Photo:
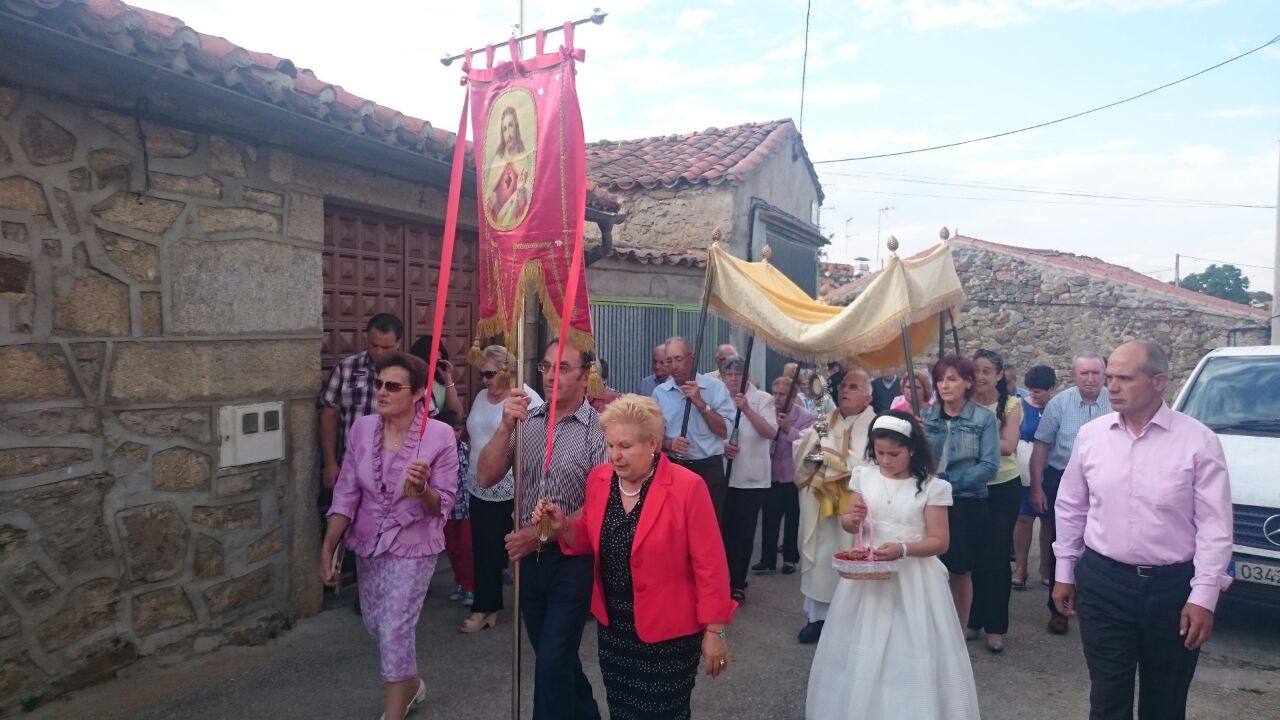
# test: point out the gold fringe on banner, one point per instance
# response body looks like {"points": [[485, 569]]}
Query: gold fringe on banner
{"points": [[531, 276]]}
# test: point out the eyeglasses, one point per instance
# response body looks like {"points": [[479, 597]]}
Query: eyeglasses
{"points": [[488, 374], [674, 359], [544, 367], [389, 385]]}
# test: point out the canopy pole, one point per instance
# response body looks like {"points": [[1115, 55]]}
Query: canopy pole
{"points": [[516, 499], [737, 416], [911, 372], [702, 328], [955, 334], [942, 334]]}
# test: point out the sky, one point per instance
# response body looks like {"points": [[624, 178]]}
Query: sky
{"points": [[884, 76]]}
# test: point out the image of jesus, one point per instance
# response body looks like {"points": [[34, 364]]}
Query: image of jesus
{"points": [[509, 174]]}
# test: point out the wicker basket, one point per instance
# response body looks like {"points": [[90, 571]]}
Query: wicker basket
{"points": [[864, 569]]}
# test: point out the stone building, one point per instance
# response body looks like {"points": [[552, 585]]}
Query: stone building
{"points": [[753, 182], [1041, 306], [189, 233]]}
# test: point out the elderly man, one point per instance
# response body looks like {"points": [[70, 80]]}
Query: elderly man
{"points": [[824, 490], [701, 447], [1062, 418], [1144, 540], [723, 354], [555, 589], [659, 375], [749, 479]]}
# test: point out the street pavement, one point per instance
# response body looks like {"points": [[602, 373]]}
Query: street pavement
{"points": [[326, 667]]}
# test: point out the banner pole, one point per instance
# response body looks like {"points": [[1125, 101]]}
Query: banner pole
{"points": [[516, 499], [702, 328], [737, 416]]}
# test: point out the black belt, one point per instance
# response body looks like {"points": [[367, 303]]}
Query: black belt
{"points": [[1145, 571], [688, 463]]}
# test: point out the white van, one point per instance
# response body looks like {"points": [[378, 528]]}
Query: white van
{"points": [[1236, 392]]}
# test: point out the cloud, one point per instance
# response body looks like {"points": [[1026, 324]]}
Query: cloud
{"points": [[830, 94], [1245, 112], [692, 21], [1199, 155], [924, 15]]}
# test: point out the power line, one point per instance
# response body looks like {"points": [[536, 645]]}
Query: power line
{"points": [[804, 64], [925, 180], [1073, 116], [1227, 262], [1018, 200]]}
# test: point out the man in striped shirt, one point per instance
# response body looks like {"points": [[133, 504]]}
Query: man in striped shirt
{"points": [[1060, 422], [555, 589]]}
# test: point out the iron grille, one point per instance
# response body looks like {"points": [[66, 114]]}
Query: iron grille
{"points": [[1248, 525]]}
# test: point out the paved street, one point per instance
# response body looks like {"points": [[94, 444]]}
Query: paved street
{"points": [[326, 667]]}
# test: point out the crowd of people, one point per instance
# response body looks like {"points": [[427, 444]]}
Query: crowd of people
{"points": [[646, 519]]}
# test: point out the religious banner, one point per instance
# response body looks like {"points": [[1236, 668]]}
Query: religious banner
{"points": [[530, 160]]}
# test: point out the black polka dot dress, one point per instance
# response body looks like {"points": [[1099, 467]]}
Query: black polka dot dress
{"points": [[642, 681]]}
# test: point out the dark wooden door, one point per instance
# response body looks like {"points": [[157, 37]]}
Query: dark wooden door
{"points": [[379, 263]]}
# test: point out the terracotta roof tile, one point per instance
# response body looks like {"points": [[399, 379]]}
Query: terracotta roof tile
{"points": [[653, 256], [166, 41], [710, 157]]}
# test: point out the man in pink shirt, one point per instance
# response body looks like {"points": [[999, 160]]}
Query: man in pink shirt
{"points": [[1144, 539]]}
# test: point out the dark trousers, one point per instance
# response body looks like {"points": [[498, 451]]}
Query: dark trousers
{"points": [[490, 523], [1129, 622], [742, 509], [711, 470], [781, 512], [1052, 479], [555, 598], [992, 578]]}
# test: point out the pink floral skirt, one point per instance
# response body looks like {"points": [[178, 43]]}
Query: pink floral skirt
{"points": [[391, 593]]}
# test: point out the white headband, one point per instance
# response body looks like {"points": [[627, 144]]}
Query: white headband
{"points": [[896, 424]]}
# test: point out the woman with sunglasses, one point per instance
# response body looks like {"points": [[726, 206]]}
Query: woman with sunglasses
{"points": [[492, 507], [391, 500]]}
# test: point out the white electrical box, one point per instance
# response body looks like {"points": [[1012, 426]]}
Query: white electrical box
{"points": [[251, 433]]}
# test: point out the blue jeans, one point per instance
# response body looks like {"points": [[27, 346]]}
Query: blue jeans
{"points": [[555, 597]]}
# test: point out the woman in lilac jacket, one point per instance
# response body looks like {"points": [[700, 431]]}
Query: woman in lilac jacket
{"points": [[391, 500]]}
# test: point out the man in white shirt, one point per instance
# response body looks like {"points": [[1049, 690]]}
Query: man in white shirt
{"points": [[751, 473]]}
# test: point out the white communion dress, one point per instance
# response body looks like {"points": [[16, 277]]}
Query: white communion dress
{"points": [[893, 649]]}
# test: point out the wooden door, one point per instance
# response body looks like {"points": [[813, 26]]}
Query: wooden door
{"points": [[379, 263]]}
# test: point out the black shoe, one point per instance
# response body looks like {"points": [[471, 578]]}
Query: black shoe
{"points": [[762, 569], [788, 568], [810, 633], [738, 594]]}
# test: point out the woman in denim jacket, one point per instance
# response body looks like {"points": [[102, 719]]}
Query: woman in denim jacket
{"points": [[965, 440]]}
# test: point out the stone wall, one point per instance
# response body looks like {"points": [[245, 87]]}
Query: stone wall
{"points": [[674, 219], [1034, 313], [136, 299]]}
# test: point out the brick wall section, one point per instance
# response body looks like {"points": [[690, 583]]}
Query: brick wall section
{"points": [[1038, 314], [132, 306]]}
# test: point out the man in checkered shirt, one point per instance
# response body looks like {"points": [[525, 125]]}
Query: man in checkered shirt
{"points": [[349, 392]]}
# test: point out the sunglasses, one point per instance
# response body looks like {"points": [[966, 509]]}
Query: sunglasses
{"points": [[389, 385], [488, 374]]}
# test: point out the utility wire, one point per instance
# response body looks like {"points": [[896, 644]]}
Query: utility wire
{"points": [[1227, 262], [804, 64], [925, 180], [1037, 126], [1024, 201]]}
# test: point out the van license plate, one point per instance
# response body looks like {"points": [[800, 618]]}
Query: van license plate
{"points": [[1258, 573]]}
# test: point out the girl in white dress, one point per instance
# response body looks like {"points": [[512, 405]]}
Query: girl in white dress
{"points": [[894, 648]]}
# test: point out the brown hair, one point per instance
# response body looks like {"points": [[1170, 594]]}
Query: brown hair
{"points": [[416, 368]]}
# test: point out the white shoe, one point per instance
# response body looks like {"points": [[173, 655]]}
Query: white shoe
{"points": [[415, 701]]}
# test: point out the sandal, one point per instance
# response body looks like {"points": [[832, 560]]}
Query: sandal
{"points": [[1018, 584], [476, 622]]}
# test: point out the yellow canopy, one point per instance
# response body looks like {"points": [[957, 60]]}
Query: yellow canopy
{"points": [[907, 293]]}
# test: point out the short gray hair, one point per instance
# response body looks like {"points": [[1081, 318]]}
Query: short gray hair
{"points": [[682, 341], [1088, 355], [735, 364]]}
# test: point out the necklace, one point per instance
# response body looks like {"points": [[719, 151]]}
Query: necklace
{"points": [[652, 470], [624, 491], [894, 494]]}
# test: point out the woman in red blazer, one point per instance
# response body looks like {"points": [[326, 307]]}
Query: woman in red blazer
{"points": [[662, 584]]}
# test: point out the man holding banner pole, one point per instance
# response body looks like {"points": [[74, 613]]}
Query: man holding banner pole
{"points": [[555, 590]]}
